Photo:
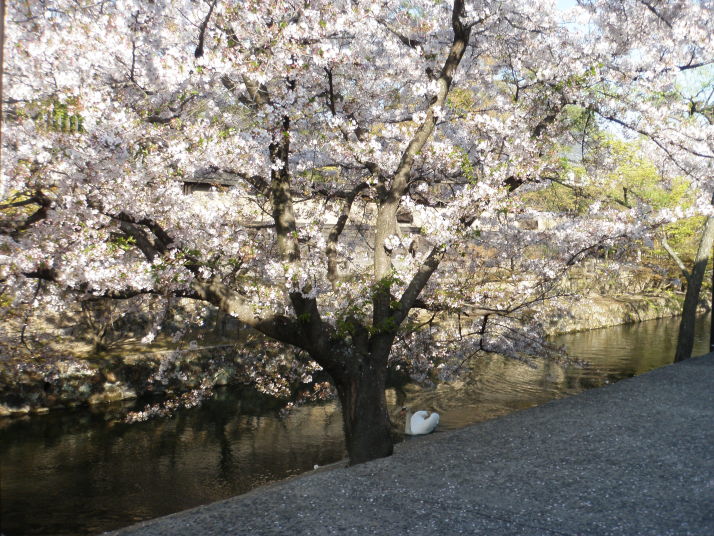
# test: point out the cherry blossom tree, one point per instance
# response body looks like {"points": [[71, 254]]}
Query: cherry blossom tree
{"points": [[330, 121]]}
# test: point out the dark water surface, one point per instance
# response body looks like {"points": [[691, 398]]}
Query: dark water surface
{"points": [[82, 472]]}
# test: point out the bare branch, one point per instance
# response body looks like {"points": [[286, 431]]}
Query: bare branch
{"points": [[334, 236], [38, 198], [418, 282], [676, 258], [177, 111], [411, 43], [649, 6], [202, 33]]}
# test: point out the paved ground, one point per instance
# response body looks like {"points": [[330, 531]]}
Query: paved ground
{"points": [[633, 458]]}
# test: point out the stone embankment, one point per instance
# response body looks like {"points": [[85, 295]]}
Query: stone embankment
{"points": [[39, 385], [595, 312]]}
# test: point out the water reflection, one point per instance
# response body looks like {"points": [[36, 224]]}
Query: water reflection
{"points": [[80, 472]]}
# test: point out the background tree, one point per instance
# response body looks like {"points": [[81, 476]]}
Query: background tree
{"points": [[700, 112]]}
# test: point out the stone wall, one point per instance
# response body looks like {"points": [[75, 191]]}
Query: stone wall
{"points": [[592, 312], [39, 385]]}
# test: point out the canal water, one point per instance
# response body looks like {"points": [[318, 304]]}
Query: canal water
{"points": [[82, 472]]}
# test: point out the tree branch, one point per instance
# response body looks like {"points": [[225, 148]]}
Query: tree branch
{"points": [[334, 236], [177, 111], [656, 141], [202, 33], [258, 92], [38, 198], [279, 327], [411, 43], [418, 282], [163, 240], [390, 197], [656, 13], [678, 261], [330, 92]]}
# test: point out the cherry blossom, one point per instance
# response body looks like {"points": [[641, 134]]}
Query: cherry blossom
{"points": [[321, 124]]}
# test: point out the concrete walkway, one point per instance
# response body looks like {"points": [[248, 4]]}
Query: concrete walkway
{"points": [[633, 458]]}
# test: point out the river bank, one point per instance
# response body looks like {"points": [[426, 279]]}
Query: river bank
{"points": [[38, 385]]}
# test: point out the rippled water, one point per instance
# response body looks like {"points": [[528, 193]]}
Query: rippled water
{"points": [[82, 472], [497, 386]]}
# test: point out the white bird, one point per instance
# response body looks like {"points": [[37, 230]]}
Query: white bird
{"points": [[419, 423]]}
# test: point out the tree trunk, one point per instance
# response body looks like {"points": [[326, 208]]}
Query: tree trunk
{"points": [[366, 421], [685, 340]]}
